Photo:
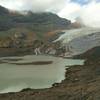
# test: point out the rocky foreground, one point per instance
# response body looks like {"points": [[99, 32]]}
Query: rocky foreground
{"points": [[81, 83]]}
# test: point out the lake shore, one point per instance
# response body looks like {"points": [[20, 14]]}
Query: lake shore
{"points": [[82, 83], [5, 52]]}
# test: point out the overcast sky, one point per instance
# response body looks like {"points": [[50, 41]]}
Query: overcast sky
{"points": [[86, 10]]}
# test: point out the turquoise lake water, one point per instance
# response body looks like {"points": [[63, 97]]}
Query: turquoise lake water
{"points": [[14, 78]]}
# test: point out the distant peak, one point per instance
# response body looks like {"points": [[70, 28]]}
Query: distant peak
{"points": [[3, 10]]}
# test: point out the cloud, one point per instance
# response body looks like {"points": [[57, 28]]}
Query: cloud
{"points": [[70, 11], [90, 14], [87, 10], [34, 5]]}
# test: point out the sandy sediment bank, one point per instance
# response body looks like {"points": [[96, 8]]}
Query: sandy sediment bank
{"points": [[35, 63]]}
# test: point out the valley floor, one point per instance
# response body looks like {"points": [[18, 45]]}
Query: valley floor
{"points": [[81, 83]]}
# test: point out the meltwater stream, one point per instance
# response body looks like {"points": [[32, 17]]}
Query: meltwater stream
{"points": [[14, 78]]}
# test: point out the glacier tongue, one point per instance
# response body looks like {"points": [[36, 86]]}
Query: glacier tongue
{"points": [[80, 40], [74, 33]]}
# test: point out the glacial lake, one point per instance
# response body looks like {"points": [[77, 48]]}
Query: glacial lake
{"points": [[14, 78]]}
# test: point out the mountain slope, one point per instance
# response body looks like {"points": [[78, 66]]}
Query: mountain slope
{"points": [[92, 54], [33, 21]]}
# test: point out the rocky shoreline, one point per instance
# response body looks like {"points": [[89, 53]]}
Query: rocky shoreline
{"points": [[82, 83]]}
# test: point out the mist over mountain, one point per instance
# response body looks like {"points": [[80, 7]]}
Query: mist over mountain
{"points": [[87, 10], [30, 20]]}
